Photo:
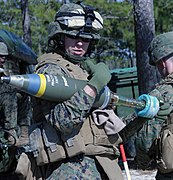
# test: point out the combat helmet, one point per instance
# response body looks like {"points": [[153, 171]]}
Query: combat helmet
{"points": [[161, 47], [75, 19], [3, 49]]}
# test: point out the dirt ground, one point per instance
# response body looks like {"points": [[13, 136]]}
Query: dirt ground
{"points": [[141, 175], [138, 174]]}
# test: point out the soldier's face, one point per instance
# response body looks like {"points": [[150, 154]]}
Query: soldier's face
{"points": [[2, 60], [165, 66], [76, 46]]}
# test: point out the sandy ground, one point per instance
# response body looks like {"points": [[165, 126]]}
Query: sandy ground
{"points": [[141, 175], [138, 174]]}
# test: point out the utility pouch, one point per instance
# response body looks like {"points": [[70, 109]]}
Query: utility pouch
{"points": [[53, 143], [37, 147], [96, 140], [74, 145], [164, 153]]}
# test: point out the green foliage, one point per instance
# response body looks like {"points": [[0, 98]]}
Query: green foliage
{"points": [[41, 15], [10, 16], [163, 15], [116, 17], [118, 34], [117, 45]]}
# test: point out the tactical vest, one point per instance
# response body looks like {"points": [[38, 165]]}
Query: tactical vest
{"points": [[69, 68], [49, 146]]}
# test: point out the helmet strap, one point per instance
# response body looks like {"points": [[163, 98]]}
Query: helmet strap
{"points": [[89, 17], [74, 59]]}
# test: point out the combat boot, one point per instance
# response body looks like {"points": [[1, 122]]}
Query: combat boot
{"points": [[12, 137], [24, 137]]}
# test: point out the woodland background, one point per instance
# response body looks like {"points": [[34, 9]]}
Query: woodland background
{"points": [[129, 27]]}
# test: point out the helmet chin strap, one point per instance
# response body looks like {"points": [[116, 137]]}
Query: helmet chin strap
{"points": [[74, 59]]}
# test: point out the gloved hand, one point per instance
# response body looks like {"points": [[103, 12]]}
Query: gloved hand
{"points": [[99, 74], [164, 111]]}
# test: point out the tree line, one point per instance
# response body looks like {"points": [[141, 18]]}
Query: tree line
{"points": [[129, 27]]}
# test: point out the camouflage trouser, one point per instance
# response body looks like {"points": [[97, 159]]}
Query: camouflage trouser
{"points": [[9, 109], [73, 170], [144, 141], [130, 147]]}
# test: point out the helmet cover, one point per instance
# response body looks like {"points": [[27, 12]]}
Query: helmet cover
{"points": [[76, 20], [161, 47]]}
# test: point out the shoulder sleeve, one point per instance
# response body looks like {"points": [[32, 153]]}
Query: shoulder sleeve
{"points": [[53, 69], [70, 114], [50, 64]]}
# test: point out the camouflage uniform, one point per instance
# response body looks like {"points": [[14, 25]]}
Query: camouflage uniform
{"points": [[70, 119], [67, 118], [9, 99], [151, 129], [161, 48], [58, 116], [15, 106]]}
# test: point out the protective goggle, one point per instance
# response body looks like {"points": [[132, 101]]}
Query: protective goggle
{"points": [[3, 56], [78, 37]]}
